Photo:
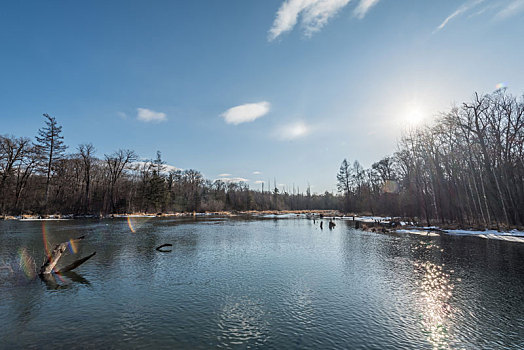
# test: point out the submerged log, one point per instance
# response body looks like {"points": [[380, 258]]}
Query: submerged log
{"points": [[75, 264], [159, 248]]}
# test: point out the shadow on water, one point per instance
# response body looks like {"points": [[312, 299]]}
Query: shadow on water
{"points": [[77, 278]]}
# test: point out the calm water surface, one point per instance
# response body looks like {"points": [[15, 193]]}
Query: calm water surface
{"points": [[273, 283]]}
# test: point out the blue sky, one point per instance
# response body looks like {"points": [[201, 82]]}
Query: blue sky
{"points": [[258, 90]]}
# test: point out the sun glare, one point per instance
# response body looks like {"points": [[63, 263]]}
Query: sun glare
{"points": [[414, 114]]}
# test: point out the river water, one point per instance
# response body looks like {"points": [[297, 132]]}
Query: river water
{"points": [[258, 283]]}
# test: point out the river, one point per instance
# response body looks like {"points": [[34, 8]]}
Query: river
{"points": [[258, 283]]}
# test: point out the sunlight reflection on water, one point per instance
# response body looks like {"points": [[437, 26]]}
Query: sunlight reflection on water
{"points": [[241, 322], [434, 292]]}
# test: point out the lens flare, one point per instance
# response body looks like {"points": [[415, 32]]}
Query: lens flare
{"points": [[27, 263], [44, 237], [501, 85], [136, 222], [390, 186], [46, 246], [130, 224], [72, 246]]}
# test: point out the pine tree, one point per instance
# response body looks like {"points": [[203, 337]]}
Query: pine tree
{"points": [[51, 147], [344, 183]]}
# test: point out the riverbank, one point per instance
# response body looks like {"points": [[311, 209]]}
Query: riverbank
{"points": [[36, 217], [367, 223]]}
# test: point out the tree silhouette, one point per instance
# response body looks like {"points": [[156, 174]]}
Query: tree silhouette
{"points": [[51, 147]]}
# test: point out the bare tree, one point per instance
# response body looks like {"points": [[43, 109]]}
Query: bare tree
{"points": [[12, 150], [116, 163], [87, 152]]}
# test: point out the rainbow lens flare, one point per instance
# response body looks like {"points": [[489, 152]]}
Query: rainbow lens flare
{"points": [[130, 224], [135, 223], [390, 186], [44, 237], [27, 263], [501, 86], [72, 246], [46, 246]]}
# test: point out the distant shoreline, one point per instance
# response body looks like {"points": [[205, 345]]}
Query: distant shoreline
{"points": [[56, 217], [366, 223]]}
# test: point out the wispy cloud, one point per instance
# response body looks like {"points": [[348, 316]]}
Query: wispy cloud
{"points": [[258, 182], [456, 13], [256, 173], [232, 179], [513, 8], [224, 175], [150, 116], [363, 7], [503, 8], [292, 131], [246, 113], [122, 115], [314, 15]]}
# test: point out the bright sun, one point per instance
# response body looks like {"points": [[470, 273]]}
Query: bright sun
{"points": [[414, 114]]}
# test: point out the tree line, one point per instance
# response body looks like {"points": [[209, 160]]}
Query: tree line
{"points": [[467, 167], [39, 177]]}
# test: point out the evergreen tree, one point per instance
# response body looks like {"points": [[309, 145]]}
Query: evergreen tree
{"points": [[51, 146], [344, 179]]}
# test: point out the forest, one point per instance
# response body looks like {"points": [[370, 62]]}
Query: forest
{"points": [[466, 167], [38, 177]]}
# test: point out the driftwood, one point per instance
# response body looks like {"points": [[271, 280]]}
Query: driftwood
{"points": [[56, 254], [75, 264], [159, 248]]}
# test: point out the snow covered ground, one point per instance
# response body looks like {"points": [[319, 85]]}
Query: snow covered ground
{"points": [[513, 235]]}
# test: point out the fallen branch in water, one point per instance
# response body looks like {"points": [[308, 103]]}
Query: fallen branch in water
{"points": [[159, 248], [56, 254], [75, 264]]}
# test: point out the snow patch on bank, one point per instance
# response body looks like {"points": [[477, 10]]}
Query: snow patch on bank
{"points": [[511, 236], [419, 232]]}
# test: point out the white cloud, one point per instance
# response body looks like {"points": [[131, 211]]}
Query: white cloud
{"points": [[224, 175], [450, 17], [147, 115], [363, 7], [512, 9], [293, 131], [465, 7], [232, 179], [258, 182], [166, 168], [314, 15], [246, 113], [256, 173]]}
